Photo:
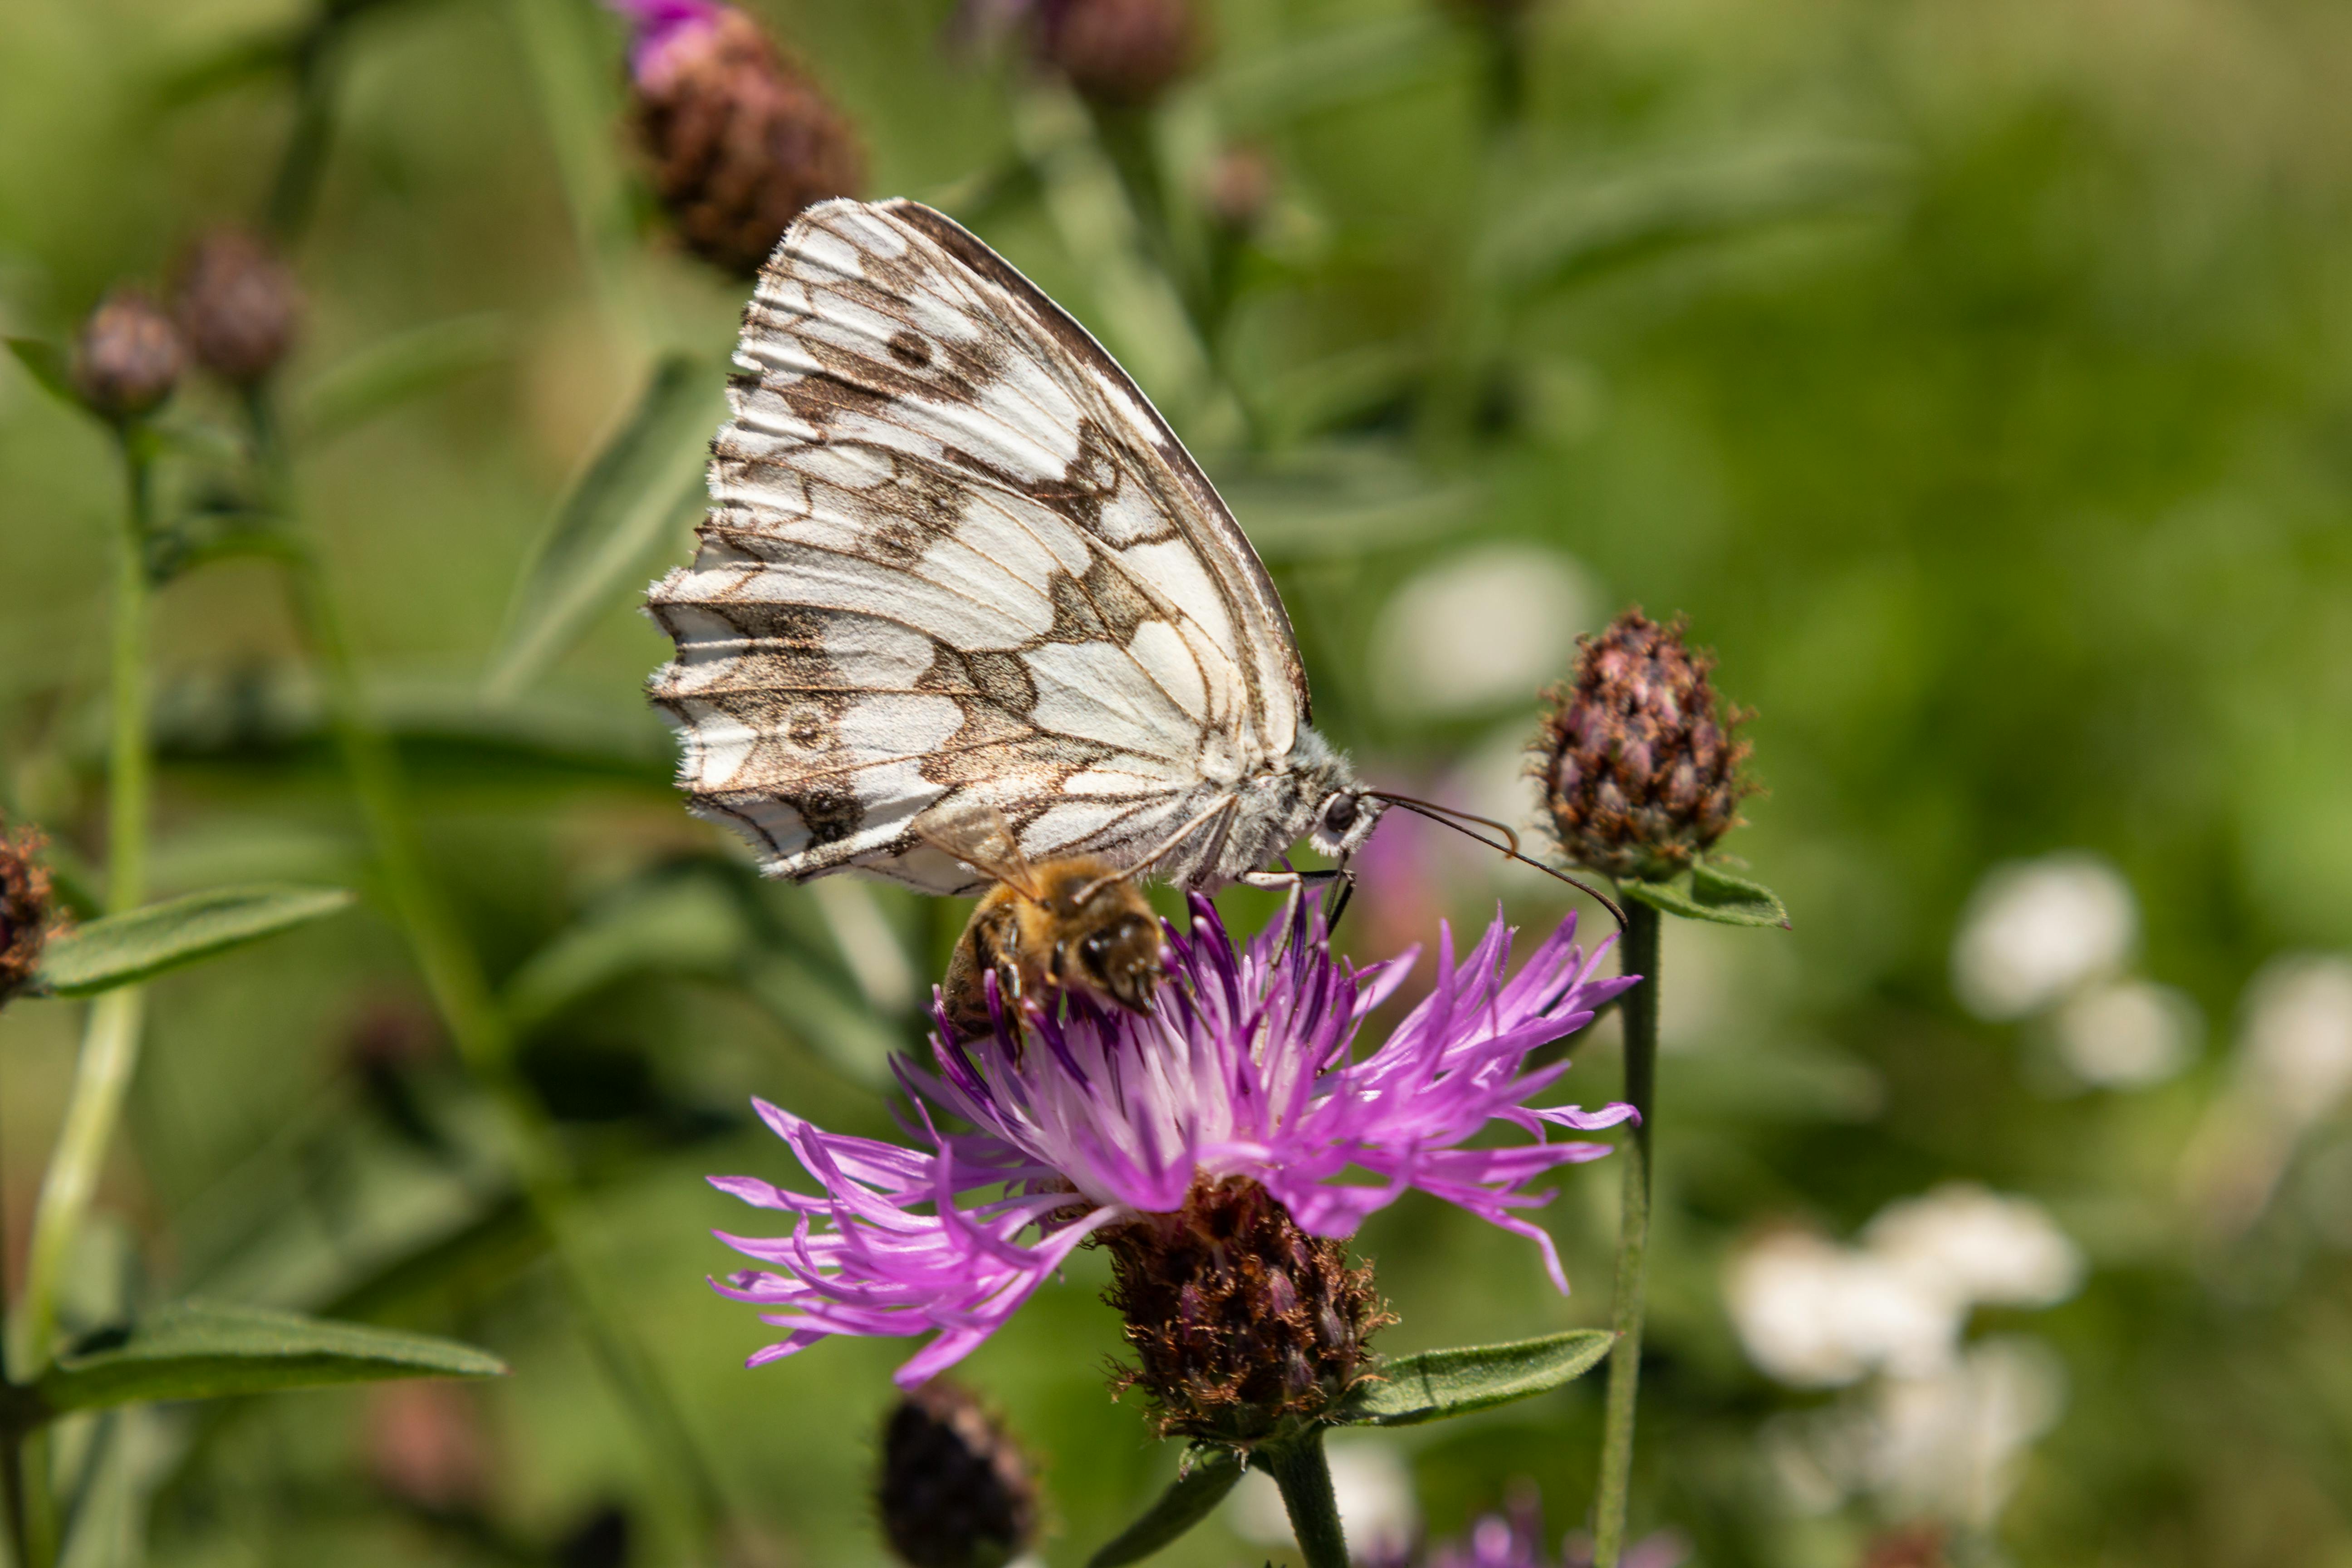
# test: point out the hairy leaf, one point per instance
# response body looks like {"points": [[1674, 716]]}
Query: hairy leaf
{"points": [[1200, 1486], [121, 949], [1436, 1384]]}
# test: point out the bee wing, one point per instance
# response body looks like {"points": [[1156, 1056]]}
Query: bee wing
{"points": [[978, 835]]}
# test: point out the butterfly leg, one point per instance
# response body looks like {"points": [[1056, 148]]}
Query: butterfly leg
{"points": [[1290, 880]]}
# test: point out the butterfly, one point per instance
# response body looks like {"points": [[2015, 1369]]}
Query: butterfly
{"points": [[956, 563]]}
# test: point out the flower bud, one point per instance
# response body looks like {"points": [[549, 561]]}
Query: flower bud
{"points": [[1640, 766], [1238, 189], [956, 1490], [238, 304], [1120, 53], [25, 909], [129, 356], [740, 139], [1241, 1322]]}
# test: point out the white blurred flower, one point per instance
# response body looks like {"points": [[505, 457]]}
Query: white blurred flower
{"points": [[1949, 1444], [2034, 930], [1813, 1314], [1488, 626], [2295, 1049], [1972, 1246], [2128, 1034], [1374, 1489]]}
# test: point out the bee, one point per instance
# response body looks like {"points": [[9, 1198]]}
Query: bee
{"points": [[1073, 922]]}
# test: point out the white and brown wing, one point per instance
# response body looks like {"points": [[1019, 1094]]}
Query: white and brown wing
{"points": [[957, 560]]}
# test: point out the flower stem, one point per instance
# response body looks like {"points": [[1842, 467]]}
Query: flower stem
{"points": [[1304, 1477], [1639, 1010], [109, 1046], [478, 1024]]}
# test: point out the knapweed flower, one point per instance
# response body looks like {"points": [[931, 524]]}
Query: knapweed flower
{"points": [[1236, 1108], [25, 913], [739, 137], [1116, 54], [956, 1492], [127, 357], [238, 304], [1639, 760]]}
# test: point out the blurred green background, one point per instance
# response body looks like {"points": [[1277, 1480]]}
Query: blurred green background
{"points": [[1977, 375]]}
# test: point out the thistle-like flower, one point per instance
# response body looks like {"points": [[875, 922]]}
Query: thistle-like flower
{"points": [[129, 356], [1231, 1112], [739, 137], [956, 1492], [238, 304], [25, 909], [1638, 758]]}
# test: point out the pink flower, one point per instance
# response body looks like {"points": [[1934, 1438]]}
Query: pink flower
{"points": [[1245, 1070]]}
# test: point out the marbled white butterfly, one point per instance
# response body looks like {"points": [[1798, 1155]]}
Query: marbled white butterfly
{"points": [[959, 563]]}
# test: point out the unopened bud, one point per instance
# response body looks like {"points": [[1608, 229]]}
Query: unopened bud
{"points": [[740, 140], [1239, 188], [25, 912], [1231, 1346], [129, 356], [956, 1490], [1638, 758], [1120, 53], [238, 306]]}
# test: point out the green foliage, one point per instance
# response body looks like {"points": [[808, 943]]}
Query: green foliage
{"points": [[1707, 892], [202, 1349], [1434, 1385], [125, 949], [1207, 1476]]}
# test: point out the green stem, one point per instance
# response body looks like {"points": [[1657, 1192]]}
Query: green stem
{"points": [[1303, 1477], [1638, 1008], [110, 1048], [477, 1026]]}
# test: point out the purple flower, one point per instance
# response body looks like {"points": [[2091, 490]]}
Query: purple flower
{"points": [[1245, 1071], [659, 23]]}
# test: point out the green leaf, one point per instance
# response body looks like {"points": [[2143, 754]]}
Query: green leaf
{"points": [[194, 1350], [1436, 1384], [645, 482], [404, 366], [1200, 1486], [122, 950], [46, 364], [1710, 893]]}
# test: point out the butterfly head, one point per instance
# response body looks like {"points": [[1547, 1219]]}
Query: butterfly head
{"points": [[1344, 818]]}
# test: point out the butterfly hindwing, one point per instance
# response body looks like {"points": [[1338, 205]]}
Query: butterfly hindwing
{"points": [[956, 559]]}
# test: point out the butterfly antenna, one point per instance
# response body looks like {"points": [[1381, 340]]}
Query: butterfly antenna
{"points": [[1454, 818]]}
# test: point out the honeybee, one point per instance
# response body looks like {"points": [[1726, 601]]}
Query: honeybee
{"points": [[1074, 923]]}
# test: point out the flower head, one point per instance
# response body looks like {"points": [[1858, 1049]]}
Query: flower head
{"points": [[739, 137], [25, 914], [129, 356], [1077, 1126], [238, 304], [1638, 758], [955, 1490]]}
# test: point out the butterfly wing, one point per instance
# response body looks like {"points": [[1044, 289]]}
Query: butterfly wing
{"points": [[956, 560]]}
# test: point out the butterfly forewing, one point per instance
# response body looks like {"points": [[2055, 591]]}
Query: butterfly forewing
{"points": [[955, 560]]}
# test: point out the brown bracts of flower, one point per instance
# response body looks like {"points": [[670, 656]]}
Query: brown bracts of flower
{"points": [[739, 137], [127, 357], [25, 913], [956, 1492], [1120, 54], [1638, 758], [237, 306], [1243, 1324]]}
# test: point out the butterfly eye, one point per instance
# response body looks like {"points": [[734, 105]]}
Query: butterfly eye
{"points": [[1340, 815]]}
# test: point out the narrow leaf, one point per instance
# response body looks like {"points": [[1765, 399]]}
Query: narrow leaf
{"points": [[1709, 893], [1200, 1486], [122, 950], [646, 481], [194, 1350], [46, 364], [404, 366], [1436, 1384]]}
